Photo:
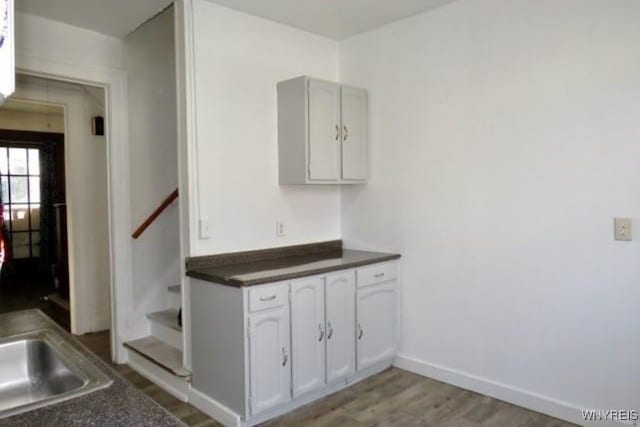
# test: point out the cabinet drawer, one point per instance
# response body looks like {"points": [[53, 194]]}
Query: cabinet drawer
{"points": [[266, 297], [376, 273]]}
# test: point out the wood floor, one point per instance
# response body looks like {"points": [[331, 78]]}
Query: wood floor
{"points": [[392, 398], [99, 344]]}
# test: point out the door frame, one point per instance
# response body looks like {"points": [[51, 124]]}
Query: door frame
{"points": [[114, 83]]}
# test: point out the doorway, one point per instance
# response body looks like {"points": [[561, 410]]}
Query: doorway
{"points": [[55, 204], [32, 185]]}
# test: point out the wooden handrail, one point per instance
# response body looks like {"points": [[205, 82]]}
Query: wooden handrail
{"points": [[164, 205]]}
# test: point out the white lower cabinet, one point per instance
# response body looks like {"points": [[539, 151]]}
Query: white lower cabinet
{"points": [[376, 324], [307, 335], [269, 359], [260, 351], [322, 331], [341, 324]]}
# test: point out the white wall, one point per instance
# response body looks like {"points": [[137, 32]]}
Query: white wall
{"points": [[504, 139], [150, 64], [238, 61], [47, 39], [28, 121], [87, 207]]}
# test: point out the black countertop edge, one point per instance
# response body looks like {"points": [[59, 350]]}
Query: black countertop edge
{"points": [[225, 274], [244, 257]]}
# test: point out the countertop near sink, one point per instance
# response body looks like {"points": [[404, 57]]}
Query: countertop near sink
{"points": [[121, 404], [273, 265]]}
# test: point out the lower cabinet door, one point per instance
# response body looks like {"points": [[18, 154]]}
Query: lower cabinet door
{"points": [[307, 335], [376, 324], [270, 359], [341, 323]]}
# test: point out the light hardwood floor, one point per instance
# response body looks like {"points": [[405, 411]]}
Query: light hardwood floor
{"points": [[392, 398]]}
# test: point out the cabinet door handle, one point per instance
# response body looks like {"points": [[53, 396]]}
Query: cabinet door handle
{"points": [[271, 298], [321, 332], [285, 358], [337, 132], [346, 132], [379, 275], [329, 331], [361, 331]]}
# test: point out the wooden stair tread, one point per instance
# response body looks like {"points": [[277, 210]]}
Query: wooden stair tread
{"points": [[160, 353], [168, 318]]}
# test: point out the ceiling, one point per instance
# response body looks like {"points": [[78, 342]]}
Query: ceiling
{"points": [[113, 17], [336, 19]]}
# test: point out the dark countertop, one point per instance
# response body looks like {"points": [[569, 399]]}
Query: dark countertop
{"points": [[274, 269], [120, 404]]}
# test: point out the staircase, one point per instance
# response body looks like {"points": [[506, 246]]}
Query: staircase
{"points": [[159, 356]]}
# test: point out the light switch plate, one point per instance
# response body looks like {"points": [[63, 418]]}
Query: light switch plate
{"points": [[205, 228], [622, 229]]}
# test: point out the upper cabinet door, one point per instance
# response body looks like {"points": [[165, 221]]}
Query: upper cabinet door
{"points": [[376, 326], [324, 131], [341, 322], [269, 359], [354, 134], [307, 335]]}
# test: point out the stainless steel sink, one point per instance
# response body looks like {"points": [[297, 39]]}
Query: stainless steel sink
{"points": [[40, 368]]}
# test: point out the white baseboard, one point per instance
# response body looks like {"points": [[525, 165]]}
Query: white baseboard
{"points": [[176, 386], [167, 335], [214, 409], [526, 399]]}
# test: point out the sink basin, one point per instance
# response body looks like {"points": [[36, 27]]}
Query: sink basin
{"points": [[41, 368]]}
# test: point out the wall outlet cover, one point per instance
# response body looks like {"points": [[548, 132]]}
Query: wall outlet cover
{"points": [[623, 229], [205, 228]]}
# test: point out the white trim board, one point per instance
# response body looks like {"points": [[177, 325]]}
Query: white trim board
{"points": [[526, 399], [187, 154], [115, 84], [214, 409], [175, 386]]}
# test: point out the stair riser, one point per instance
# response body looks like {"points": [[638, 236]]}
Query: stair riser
{"points": [[178, 387], [167, 335], [174, 300]]}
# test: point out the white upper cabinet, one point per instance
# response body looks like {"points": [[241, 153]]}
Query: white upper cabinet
{"points": [[354, 134], [322, 132], [341, 322], [7, 65], [307, 335]]}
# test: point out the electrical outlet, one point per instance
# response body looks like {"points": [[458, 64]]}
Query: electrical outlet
{"points": [[280, 230], [622, 229], [205, 228]]}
